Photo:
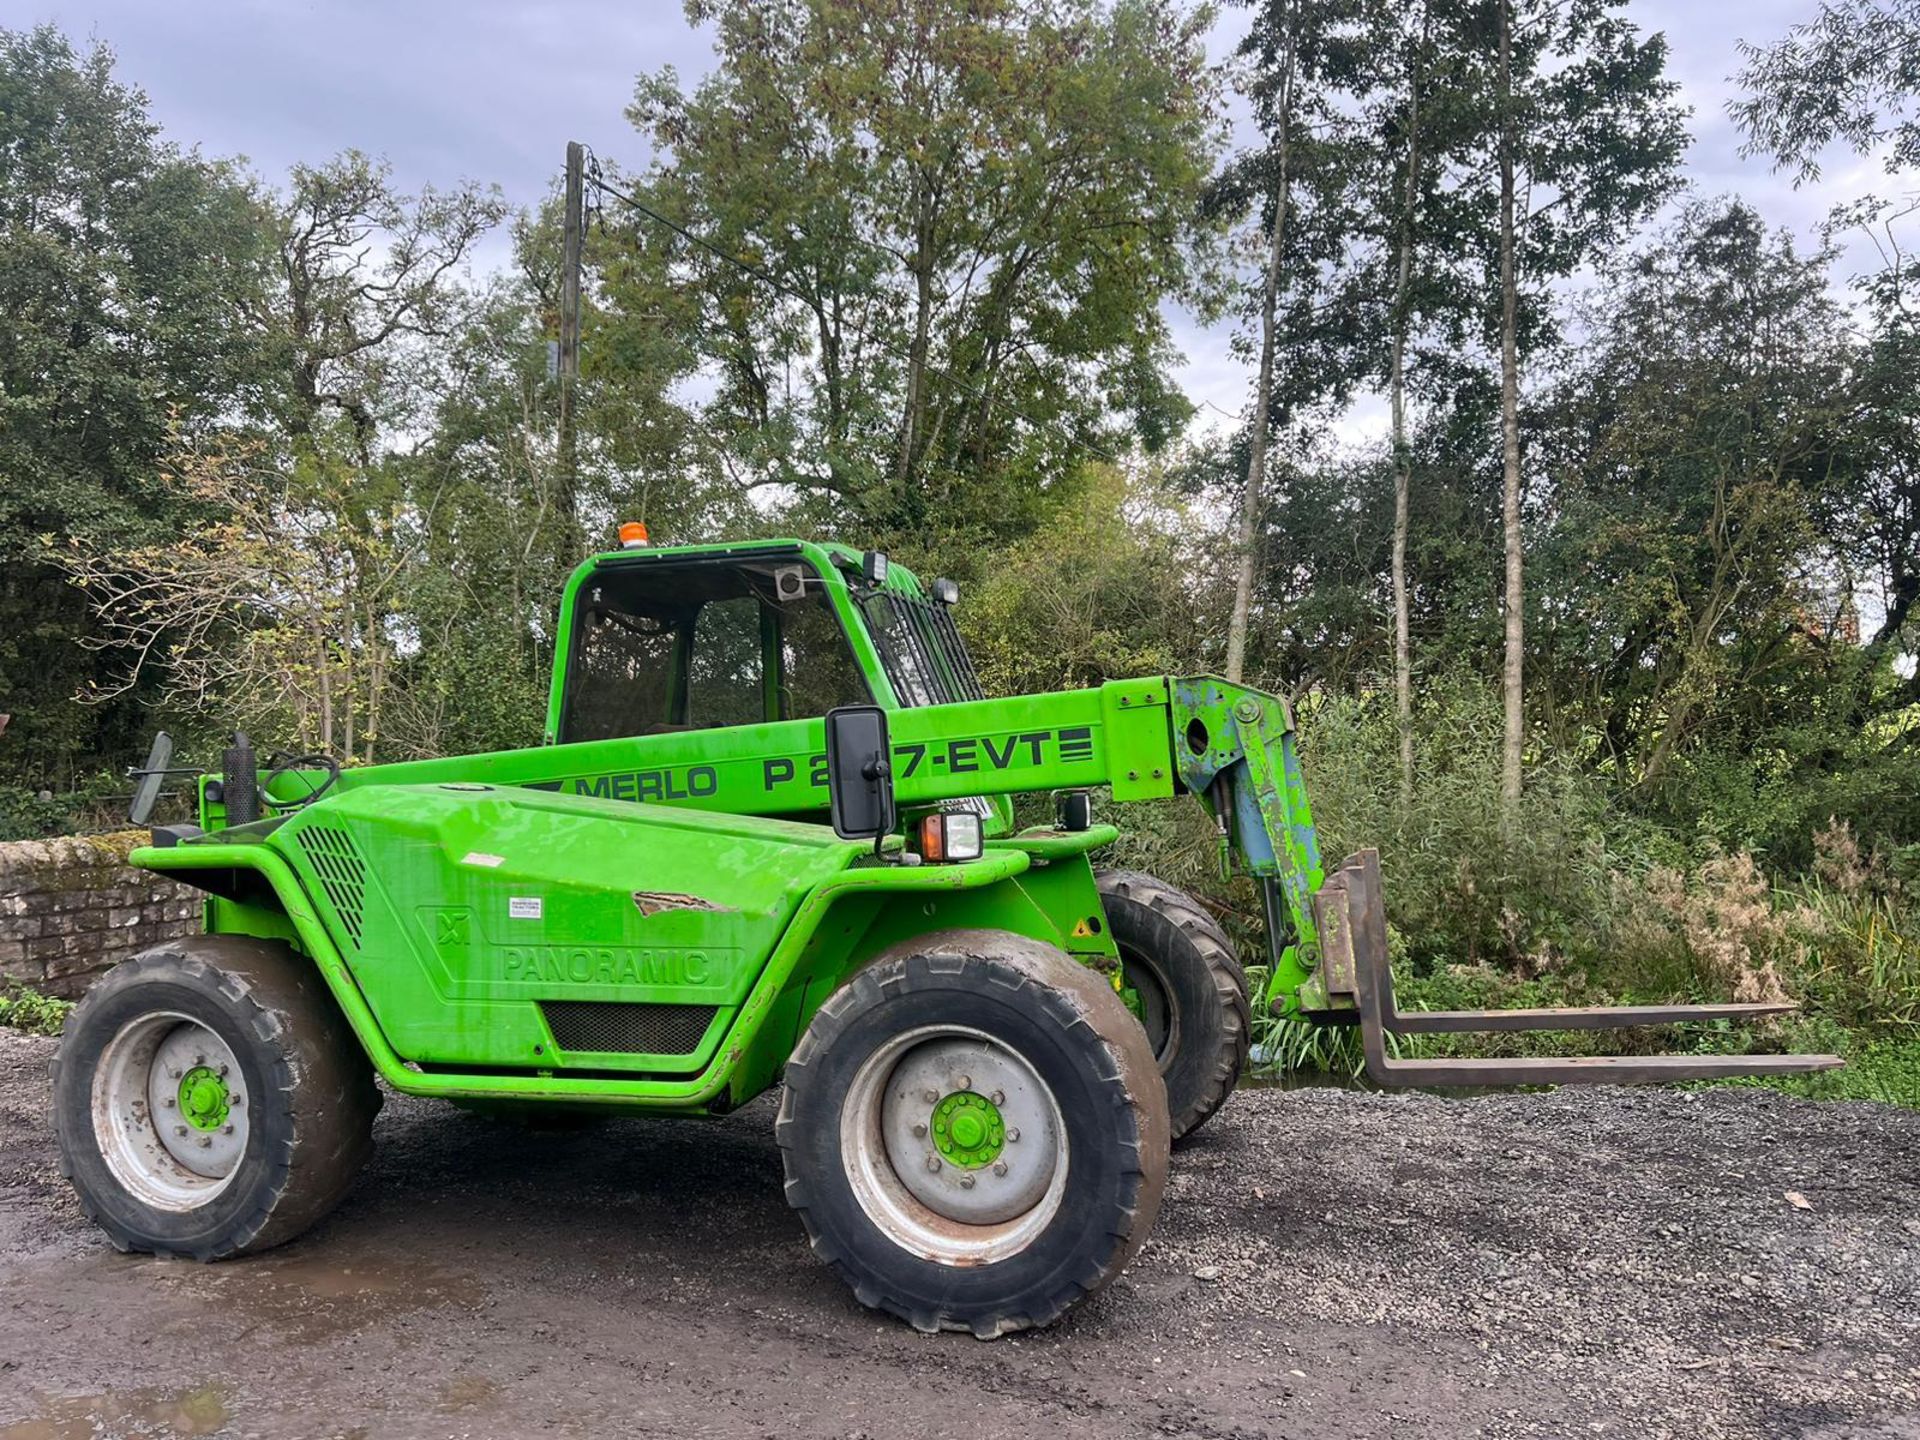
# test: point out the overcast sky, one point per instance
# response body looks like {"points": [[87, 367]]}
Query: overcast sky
{"points": [[491, 90]]}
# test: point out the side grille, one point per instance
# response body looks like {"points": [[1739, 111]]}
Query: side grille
{"points": [[343, 874], [617, 1028]]}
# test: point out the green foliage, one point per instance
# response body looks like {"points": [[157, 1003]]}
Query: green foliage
{"points": [[1886, 1071], [25, 816], [92, 805], [32, 1012], [958, 223], [1099, 591], [1465, 887], [1848, 75], [126, 266]]}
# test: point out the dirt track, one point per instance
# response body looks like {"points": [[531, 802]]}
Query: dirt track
{"points": [[1328, 1264]]}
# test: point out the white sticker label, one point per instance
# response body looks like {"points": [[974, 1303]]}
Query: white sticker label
{"points": [[480, 857], [523, 907]]}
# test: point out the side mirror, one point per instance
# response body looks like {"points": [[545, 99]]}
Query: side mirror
{"points": [[859, 772], [152, 776]]}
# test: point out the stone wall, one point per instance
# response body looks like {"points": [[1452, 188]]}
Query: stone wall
{"points": [[72, 908]]}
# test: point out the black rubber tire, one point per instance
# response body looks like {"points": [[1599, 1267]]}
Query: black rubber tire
{"points": [[1079, 1038], [310, 1085], [1168, 941]]}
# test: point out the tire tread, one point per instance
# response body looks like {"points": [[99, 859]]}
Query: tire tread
{"points": [[1226, 983]]}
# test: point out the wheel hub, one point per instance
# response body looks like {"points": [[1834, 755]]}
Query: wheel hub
{"points": [[967, 1129], [203, 1098]]}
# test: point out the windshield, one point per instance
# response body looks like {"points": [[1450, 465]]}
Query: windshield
{"points": [[927, 664], [926, 660]]}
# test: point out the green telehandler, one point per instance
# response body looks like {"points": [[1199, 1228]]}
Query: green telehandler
{"points": [[769, 839]]}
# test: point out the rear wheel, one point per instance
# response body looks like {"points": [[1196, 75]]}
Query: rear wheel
{"points": [[974, 1133], [209, 1100], [1193, 993]]}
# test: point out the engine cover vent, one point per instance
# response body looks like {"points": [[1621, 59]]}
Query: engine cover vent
{"points": [[617, 1028], [343, 874]]}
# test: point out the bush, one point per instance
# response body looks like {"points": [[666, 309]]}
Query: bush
{"points": [[1463, 884], [1579, 903], [25, 816], [94, 805], [32, 1012]]}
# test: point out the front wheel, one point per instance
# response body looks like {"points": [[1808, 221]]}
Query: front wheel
{"points": [[209, 1100], [1193, 993], [974, 1133]]}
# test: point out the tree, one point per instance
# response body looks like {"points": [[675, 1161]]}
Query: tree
{"points": [[1692, 451], [364, 273], [281, 596], [1851, 77], [1584, 136], [1429, 67], [129, 275], [274, 610], [932, 242], [1304, 62]]}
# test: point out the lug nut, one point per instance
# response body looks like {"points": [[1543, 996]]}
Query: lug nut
{"points": [[206, 1142], [1013, 1137], [999, 1167], [999, 1097], [932, 1097], [168, 1102], [919, 1131], [966, 1182], [173, 1072], [223, 1072], [180, 1130], [933, 1162], [228, 1130], [234, 1102], [966, 1082], [199, 1059]]}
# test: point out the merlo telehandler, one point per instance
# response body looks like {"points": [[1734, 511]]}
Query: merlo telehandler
{"points": [[769, 840]]}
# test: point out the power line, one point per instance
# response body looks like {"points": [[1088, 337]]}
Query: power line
{"points": [[773, 282]]}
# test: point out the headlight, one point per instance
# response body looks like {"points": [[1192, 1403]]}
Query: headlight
{"points": [[951, 836]]}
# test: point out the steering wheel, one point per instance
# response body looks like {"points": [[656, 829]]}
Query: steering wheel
{"points": [[286, 765]]}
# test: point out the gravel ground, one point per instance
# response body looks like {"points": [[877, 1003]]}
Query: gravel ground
{"points": [[1328, 1264]]}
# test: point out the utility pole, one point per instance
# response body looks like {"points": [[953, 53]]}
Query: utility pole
{"points": [[570, 325]]}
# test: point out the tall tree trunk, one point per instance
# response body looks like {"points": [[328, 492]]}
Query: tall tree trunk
{"points": [[1247, 528], [1402, 452], [1511, 677], [910, 421]]}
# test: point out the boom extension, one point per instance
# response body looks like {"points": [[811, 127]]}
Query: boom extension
{"points": [[1231, 746]]}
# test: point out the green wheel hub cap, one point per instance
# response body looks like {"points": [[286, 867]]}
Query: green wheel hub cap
{"points": [[967, 1129], [203, 1098]]}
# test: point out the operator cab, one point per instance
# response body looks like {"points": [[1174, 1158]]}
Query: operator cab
{"points": [[704, 638], [700, 643], [694, 638]]}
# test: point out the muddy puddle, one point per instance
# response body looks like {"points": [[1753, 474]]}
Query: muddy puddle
{"points": [[312, 1294], [204, 1410]]}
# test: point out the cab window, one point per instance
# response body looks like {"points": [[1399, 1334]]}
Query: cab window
{"points": [[704, 644]]}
